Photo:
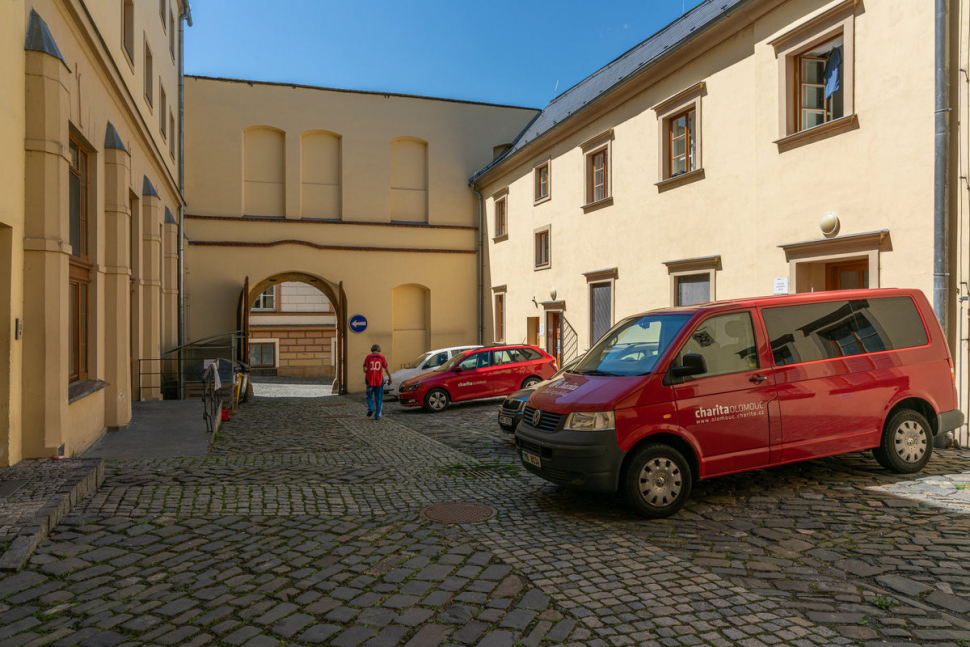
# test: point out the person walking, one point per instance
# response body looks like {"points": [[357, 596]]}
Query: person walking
{"points": [[375, 366]]}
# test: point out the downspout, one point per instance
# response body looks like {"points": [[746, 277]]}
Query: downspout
{"points": [[941, 277], [480, 262], [185, 16]]}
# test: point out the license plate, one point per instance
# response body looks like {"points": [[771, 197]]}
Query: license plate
{"points": [[505, 420], [531, 459]]}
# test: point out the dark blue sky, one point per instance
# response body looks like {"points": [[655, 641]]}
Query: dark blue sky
{"points": [[498, 51]]}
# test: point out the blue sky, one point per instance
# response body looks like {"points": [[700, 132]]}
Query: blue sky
{"points": [[499, 51]]}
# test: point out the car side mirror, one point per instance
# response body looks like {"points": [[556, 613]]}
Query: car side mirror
{"points": [[693, 364], [459, 368]]}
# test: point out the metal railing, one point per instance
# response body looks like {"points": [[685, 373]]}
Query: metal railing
{"points": [[179, 373]]}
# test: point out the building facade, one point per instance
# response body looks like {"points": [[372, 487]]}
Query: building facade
{"points": [[293, 332], [751, 147], [363, 196], [88, 224]]}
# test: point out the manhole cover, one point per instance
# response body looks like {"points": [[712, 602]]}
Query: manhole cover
{"points": [[458, 512], [10, 486]]}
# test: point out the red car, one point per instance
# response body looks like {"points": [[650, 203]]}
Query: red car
{"points": [[475, 374], [672, 396]]}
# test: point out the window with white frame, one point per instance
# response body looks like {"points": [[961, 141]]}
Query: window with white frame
{"points": [[542, 187], [266, 301], [543, 247], [598, 174]]}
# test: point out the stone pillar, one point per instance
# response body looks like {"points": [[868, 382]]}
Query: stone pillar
{"points": [[151, 293], [46, 251], [117, 271]]}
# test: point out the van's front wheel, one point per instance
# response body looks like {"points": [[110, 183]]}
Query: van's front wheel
{"points": [[657, 481], [907, 443]]}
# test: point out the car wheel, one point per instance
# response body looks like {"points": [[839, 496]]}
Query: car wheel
{"points": [[436, 400], [907, 443], [657, 481], [530, 382]]}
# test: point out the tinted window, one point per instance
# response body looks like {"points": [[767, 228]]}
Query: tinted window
{"points": [[478, 360], [437, 360], [814, 331], [726, 343], [528, 354]]}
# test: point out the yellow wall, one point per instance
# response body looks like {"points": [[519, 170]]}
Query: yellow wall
{"points": [[358, 158], [752, 198]]}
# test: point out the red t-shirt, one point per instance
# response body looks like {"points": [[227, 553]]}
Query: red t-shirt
{"points": [[375, 364]]}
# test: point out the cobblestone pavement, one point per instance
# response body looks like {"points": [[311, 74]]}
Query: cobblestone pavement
{"points": [[303, 527]]}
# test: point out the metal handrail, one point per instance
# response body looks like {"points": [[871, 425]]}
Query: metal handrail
{"points": [[235, 334]]}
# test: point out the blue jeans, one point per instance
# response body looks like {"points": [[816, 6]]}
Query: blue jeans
{"points": [[375, 400]]}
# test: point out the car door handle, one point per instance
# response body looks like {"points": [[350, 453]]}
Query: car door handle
{"points": [[757, 378]]}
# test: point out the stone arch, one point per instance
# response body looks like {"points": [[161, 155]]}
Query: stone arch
{"points": [[320, 174], [264, 171], [409, 179], [304, 353], [411, 323]]}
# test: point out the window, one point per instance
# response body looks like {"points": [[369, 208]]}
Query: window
{"points": [[598, 177], [681, 146], [171, 35], [726, 343], [692, 289], [266, 300], [477, 360], [815, 331], [501, 216], [500, 357], [692, 280], [500, 317], [79, 268], [542, 247], [162, 112], [437, 360], [128, 29], [679, 117], [819, 94], [542, 183], [601, 310], [161, 12], [262, 354], [171, 130], [149, 76], [817, 72]]}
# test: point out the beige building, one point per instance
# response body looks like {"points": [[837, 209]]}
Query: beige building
{"points": [[293, 332], [751, 147], [361, 195], [89, 128]]}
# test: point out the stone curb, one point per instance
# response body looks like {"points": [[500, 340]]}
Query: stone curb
{"points": [[69, 495]]}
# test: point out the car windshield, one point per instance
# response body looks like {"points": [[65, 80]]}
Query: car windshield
{"points": [[632, 347], [416, 363], [568, 367]]}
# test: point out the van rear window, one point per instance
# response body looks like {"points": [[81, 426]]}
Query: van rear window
{"points": [[814, 331]]}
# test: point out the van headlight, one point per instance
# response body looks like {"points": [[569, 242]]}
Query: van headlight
{"points": [[590, 421]]}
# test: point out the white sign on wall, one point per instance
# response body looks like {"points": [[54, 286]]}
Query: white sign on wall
{"points": [[781, 285], [542, 328]]}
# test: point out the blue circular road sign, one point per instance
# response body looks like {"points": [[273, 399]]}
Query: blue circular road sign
{"points": [[358, 323]]}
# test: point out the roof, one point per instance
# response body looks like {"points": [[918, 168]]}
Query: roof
{"points": [[786, 299], [621, 70]]}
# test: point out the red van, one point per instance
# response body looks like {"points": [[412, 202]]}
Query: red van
{"points": [[481, 373], [679, 394]]}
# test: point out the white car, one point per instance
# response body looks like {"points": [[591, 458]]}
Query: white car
{"points": [[427, 362]]}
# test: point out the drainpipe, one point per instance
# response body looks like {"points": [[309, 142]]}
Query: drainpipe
{"points": [[481, 260], [941, 277], [185, 16]]}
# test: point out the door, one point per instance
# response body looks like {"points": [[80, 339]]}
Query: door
{"points": [[725, 409], [554, 335], [504, 372], [853, 275], [532, 331], [472, 380]]}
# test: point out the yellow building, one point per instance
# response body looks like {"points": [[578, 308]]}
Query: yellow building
{"points": [[89, 128], [751, 147], [361, 195]]}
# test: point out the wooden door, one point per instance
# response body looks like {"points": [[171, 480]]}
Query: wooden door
{"points": [[554, 335], [852, 275]]}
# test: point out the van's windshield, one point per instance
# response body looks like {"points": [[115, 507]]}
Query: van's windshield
{"points": [[632, 347]]}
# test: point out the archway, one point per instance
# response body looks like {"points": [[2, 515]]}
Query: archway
{"points": [[294, 324]]}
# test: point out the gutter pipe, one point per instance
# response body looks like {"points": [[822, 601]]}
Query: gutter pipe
{"points": [[480, 258], [941, 212], [185, 16]]}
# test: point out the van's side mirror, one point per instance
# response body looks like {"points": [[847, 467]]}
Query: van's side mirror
{"points": [[693, 364]]}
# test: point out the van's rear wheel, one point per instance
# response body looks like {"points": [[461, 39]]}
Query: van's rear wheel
{"points": [[657, 481], [907, 443]]}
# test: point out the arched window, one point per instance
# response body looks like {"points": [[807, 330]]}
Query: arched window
{"points": [[320, 168], [409, 179], [264, 172]]}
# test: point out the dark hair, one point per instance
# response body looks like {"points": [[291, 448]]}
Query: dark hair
{"points": [[375, 348]]}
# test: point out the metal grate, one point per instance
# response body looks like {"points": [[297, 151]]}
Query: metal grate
{"points": [[548, 421], [458, 512]]}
